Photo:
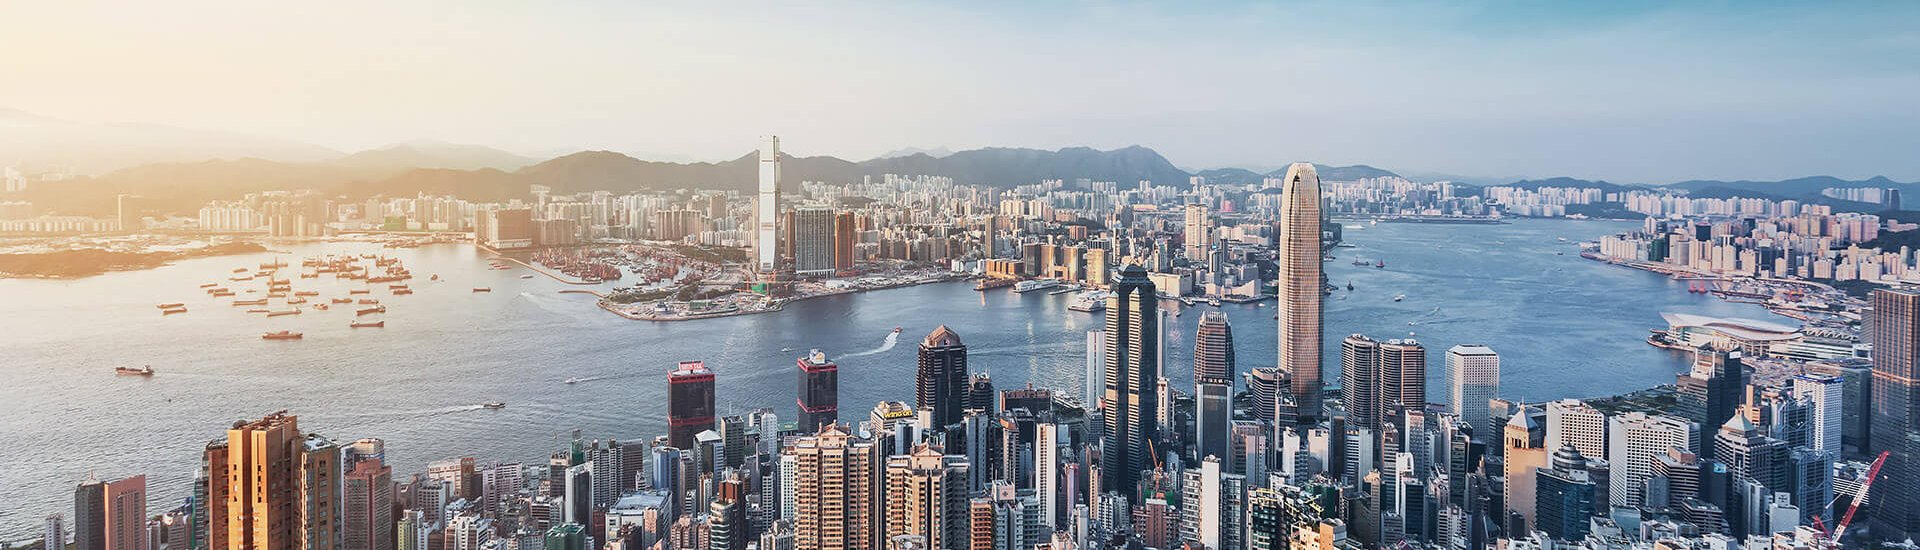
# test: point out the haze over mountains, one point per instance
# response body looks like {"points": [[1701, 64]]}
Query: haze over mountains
{"points": [[178, 170]]}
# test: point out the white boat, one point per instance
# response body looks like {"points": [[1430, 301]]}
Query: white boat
{"points": [[1089, 301], [1399, 297], [1036, 284], [573, 380]]}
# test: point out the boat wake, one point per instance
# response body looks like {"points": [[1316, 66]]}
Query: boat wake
{"points": [[893, 338]]}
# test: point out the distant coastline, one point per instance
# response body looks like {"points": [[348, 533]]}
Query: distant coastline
{"points": [[86, 262]]}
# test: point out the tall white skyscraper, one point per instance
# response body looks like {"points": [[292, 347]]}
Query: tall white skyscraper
{"points": [[1046, 471], [1824, 393], [766, 209], [1473, 378], [1300, 277], [1633, 440], [1572, 421]]}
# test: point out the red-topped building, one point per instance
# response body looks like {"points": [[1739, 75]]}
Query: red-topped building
{"points": [[819, 392], [689, 403]]}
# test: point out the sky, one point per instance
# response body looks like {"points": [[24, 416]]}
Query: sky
{"points": [[1623, 91]]}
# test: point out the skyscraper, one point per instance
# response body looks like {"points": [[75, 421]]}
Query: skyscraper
{"points": [[367, 506], [766, 243], [281, 486], [1574, 422], [1473, 378], [1096, 367], [1634, 440], [834, 491], [689, 403], [845, 236], [1826, 395], [813, 240], [1213, 373], [1300, 279], [1197, 233], [1403, 376], [819, 392], [110, 515], [1360, 380], [1710, 391], [940, 386], [1895, 424], [1132, 370], [926, 495]]}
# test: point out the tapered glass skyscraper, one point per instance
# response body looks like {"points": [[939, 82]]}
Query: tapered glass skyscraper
{"points": [[1133, 368], [1213, 385], [1299, 289]]}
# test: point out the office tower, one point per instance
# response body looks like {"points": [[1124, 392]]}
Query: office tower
{"points": [[54, 535], [458, 473], [1132, 370], [689, 403], [1752, 456], [1213, 373], [282, 487], [1523, 442], [1574, 422], [1680, 471], [1047, 441], [819, 392], [1565, 498], [1895, 418], [980, 394], [1360, 381], [844, 239], [1265, 383], [727, 515], [1711, 391], [1096, 367], [835, 497], [1473, 378], [578, 506], [940, 387], [110, 515], [1298, 256], [1826, 398], [566, 536], [766, 245], [812, 240], [367, 506], [1856, 383], [1403, 376], [1633, 440], [926, 498], [1197, 232]]}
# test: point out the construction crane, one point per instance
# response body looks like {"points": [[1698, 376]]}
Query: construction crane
{"points": [[1840, 530]]}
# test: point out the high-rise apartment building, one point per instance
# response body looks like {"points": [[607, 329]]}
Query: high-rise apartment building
{"points": [[926, 498], [110, 515], [1473, 379], [940, 385], [1634, 440], [1895, 423], [367, 507], [1213, 379], [1132, 350], [845, 236], [1299, 252], [834, 487], [690, 406], [281, 487], [812, 239], [819, 392]]}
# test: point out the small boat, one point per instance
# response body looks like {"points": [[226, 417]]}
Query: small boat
{"points": [[527, 276], [493, 405], [282, 335], [1361, 263], [144, 370], [173, 310], [896, 330], [367, 324], [1214, 301], [1381, 264], [1399, 297], [482, 289], [435, 277], [170, 305], [321, 307], [573, 380], [296, 301], [1349, 286]]}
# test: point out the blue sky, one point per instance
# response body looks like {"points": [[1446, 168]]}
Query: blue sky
{"points": [[1625, 91]]}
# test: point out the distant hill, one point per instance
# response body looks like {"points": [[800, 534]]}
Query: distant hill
{"points": [[433, 154], [1231, 176], [936, 152], [41, 143], [1563, 181], [1356, 172], [1006, 166]]}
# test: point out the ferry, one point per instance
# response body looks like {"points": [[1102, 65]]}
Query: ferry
{"points": [[170, 305], [496, 405], [173, 310], [367, 324], [1089, 301], [1214, 301], [1036, 284], [130, 371], [282, 335]]}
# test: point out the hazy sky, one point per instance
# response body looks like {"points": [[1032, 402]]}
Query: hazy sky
{"points": [[1623, 91]]}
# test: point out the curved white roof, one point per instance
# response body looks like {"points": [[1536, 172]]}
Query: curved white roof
{"points": [[1745, 329]]}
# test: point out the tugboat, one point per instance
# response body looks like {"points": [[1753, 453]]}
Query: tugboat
{"points": [[144, 370], [1349, 286], [282, 335], [494, 405]]}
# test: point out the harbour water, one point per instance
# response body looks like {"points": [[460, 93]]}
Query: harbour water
{"points": [[1565, 327]]}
